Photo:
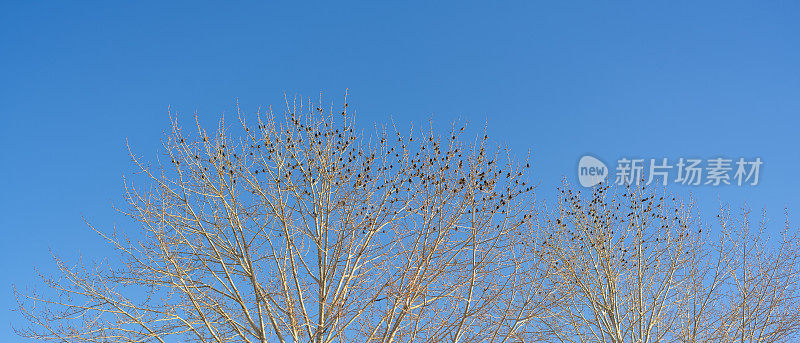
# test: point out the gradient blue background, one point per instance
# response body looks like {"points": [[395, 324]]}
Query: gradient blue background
{"points": [[674, 79]]}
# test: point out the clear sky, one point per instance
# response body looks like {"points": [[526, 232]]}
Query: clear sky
{"points": [[623, 79]]}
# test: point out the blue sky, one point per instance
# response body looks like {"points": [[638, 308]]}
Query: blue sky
{"points": [[613, 80]]}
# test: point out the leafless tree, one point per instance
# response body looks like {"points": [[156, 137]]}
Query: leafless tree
{"points": [[301, 229], [638, 265], [751, 284]]}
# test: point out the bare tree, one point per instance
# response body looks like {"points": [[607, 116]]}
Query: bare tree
{"points": [[758, 297], [636, 266], [298, 228], [301, 229]]}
